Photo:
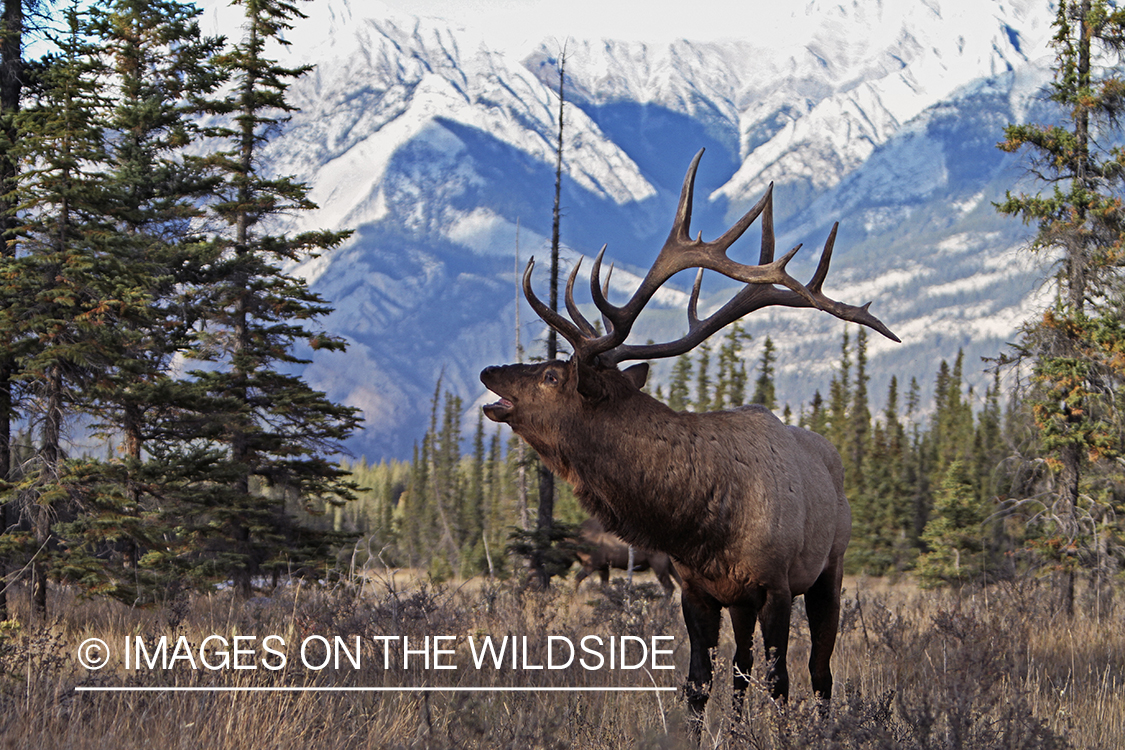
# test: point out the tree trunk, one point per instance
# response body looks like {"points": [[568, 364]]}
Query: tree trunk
{"points": [[1076, 273], [1069, 477], [1076, 252], [50, 457], [241, 451], [546, 519], [11, 69], [545, 523]]}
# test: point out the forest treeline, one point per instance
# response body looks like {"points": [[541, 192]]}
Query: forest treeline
{"points": [[942, 492]]}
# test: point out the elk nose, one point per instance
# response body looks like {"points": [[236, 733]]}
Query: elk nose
{"points": [[488, 372]]}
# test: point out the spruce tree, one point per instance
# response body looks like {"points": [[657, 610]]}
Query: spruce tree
{"points": [[882, 519], [130, 538], [474, 510], [764, 390], [60, 290], [817, 420], [281, 433], [12, 35], [703, 379], [730, 383], [839, 396], [678, 392], [859, 417], [1073, 349], [955, 536], [448, 484]]}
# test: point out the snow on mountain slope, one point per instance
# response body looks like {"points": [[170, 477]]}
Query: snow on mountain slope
{"points": [[434, 146], [809, 109], [383, 83]]}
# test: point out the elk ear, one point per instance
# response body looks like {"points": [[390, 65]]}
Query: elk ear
{"points": [[590, 383], [637, 375]]}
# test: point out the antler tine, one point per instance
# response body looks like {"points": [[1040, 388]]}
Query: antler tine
{"points": [[763, 206], [681, 227], [568, 330], [766, 255], [822, 266], [606, 322], [693, 302], [600, 293], [575, 314], [841, 310]]}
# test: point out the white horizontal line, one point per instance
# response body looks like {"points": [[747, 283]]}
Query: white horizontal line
{"points": [[284, 689]]}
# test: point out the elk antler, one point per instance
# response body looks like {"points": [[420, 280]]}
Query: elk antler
{"points": [[680, 252]]}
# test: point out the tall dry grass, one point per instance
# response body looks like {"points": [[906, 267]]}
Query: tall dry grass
{"points": [[995, 668]]}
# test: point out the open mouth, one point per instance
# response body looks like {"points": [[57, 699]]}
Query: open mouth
{"points": [[499, 411]]}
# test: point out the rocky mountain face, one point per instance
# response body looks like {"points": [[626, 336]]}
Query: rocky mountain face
{"points": [[439, 151]]}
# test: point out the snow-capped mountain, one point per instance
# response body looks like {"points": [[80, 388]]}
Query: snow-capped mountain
{"points": [[438, 149]]}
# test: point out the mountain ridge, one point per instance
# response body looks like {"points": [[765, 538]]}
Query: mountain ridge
{"points": [[436, 147]]}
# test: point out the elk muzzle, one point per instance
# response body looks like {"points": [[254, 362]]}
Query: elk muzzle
{"points": [[494, 380]]}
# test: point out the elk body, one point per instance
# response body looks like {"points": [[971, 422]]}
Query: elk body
{"points": [[752, 511], [599, 551]]}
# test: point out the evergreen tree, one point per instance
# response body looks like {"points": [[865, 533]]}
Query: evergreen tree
{"points": [[678, 389], [447, 483], [475, 508], [859, 417], [817, 420], [764, 392], [499, 513], [913, 398], [13, 30], [415, 530], [883, 518], [60, 288], [1073, 347], [730, 385], [839, 396], [282, 430], [703, 380], [154, 58], [988, 444], [955, 535]]}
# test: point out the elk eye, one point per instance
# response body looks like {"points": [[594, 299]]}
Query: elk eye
{"points": [[550, 378]]}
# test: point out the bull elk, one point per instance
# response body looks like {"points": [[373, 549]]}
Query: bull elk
{"points": [[752, 511], [599, 551]]}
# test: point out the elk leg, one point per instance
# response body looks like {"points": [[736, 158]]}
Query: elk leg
{"points": [[822, 604], [774, 617], [742, 620], [666, 582], [578, 579], [702, 615]]}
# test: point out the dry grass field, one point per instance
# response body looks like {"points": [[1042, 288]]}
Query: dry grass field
{"points": [[995, 668]]}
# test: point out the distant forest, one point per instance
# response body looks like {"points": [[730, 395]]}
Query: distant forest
{"points": [[953, 496]]}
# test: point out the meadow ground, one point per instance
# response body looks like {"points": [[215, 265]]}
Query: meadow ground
{"points": [[981, 668]]}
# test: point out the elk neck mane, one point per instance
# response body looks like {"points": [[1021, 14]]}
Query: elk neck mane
{"points": [[655, 476]]}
